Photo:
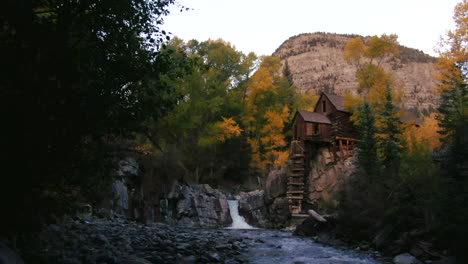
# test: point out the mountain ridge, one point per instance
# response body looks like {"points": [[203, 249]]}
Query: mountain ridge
{"points": [[315, 61]]}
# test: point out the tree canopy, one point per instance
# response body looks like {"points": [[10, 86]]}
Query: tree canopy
{"points": [[76, 76]]}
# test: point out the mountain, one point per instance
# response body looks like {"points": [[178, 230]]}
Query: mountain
{"points": [[315, 61]]}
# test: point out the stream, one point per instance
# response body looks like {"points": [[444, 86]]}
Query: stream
{"points": [[278, 247]]}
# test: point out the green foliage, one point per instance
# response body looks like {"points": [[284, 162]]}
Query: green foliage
{"points": [[368, 161], [414, 193], [209, 91], [454, 166], [76, 77], [391, 142]]}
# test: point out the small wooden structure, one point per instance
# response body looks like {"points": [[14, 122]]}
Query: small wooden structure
{"points": [[328, 125], [311, 126]]}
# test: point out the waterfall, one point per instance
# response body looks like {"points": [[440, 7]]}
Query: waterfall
{"points": [[238, 222]]}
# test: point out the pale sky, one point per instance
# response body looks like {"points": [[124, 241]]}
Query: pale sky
{"points": [[262, 26]]}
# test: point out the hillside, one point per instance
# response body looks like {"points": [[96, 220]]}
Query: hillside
{"points": [[314, 61]]}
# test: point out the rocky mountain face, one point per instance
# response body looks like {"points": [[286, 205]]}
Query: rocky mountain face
{"points": [[315, 61]]}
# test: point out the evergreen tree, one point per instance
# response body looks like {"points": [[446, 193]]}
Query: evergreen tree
{"points": [[391, 142], [368, 162]]}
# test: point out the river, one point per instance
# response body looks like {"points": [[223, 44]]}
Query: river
{"points": [[278, 247]]}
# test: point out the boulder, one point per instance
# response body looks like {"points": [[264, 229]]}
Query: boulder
{"points": [[279, 212], [252, 207], [276, 183], [406, 258], [313, 225], [196, 206]]}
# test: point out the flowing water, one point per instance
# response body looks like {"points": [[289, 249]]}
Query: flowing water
{"points": [[238, 222], [278, 247]]}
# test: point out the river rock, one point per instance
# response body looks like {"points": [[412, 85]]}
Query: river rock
{"points": [[276, 184], [406, 258], [313, 225], [127, 242], [252, 207], [196, 206], [279, 212]]}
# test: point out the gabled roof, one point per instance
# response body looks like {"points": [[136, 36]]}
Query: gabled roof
{"points": [[313, 117], [336, 100]]}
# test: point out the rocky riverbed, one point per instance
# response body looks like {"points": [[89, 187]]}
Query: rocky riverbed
{"points": [[120, 241], [124, 242]]}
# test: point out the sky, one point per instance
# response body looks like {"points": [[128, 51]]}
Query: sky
{"points": [[261, 26]]}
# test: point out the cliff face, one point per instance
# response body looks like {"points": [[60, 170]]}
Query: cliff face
{"points": [[315, 61]]}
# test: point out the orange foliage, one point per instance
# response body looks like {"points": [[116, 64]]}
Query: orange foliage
{"points": [[424, 134], [229, 129], [145, 149], [453, 49], [355, 50]]}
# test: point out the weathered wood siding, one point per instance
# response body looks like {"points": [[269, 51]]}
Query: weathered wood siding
{"points": [[342, 125], [329, 107], [306, 130], [323, 135], [299, 127]]}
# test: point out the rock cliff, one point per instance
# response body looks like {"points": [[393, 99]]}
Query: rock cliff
{"points": [[326, 176], [315, 61]]}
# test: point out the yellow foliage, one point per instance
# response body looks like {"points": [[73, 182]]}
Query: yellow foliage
{"points": [[281, 158], [229, 129], [453, 49], [373, 80], [145, 149], [307, 100], [424, 134], [351, 102], [380, 47], [354, 50], [263, 80]]}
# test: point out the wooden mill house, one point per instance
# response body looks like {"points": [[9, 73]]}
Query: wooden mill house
{"points": [[329, 125]]}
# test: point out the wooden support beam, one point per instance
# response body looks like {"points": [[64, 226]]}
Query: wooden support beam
{"points": [[346, 138], [341, 149]]}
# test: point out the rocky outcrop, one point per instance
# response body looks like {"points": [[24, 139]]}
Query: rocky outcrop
{"points": [[275, 197], [315, 61], [253, 208], [326, 174], [196, 206], [275, 185]]}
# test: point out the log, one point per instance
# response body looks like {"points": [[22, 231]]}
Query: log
{"points": [[316, 216]]}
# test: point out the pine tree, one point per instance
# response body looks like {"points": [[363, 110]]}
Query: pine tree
{"points": [[391, 142], [368, 162]]}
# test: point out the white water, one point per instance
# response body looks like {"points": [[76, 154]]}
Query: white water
{"points": [[238, 222]]}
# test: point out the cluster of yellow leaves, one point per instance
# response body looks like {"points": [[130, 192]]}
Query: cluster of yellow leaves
{"points": [[378, 48], [453, 49], [220, 131], [268, 149], [308, 100], [265, 120], [373, 80], [272, 131], [229, 129], [425, 134], [145, 149], [262, 81]]}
